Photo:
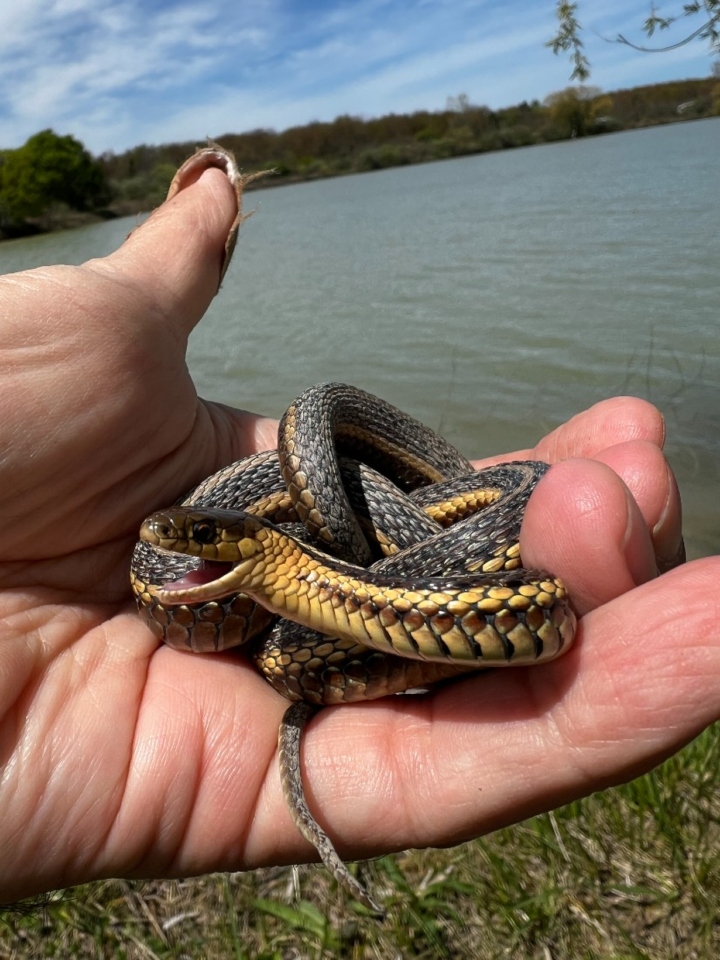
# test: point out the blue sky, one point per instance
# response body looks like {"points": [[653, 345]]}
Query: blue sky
{"points": [[116, 73]]}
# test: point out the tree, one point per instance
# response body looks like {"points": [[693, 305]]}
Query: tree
{"points": [[567, 39], [458, 104], [46, 171], [575, 109]]}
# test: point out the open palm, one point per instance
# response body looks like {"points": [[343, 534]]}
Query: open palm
{"points": [[122, 758]]}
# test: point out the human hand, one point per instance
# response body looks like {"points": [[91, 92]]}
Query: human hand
{"points": [[122, 758], [100, 419]]}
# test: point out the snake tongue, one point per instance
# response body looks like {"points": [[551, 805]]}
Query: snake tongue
{"points": [[207, 572]]}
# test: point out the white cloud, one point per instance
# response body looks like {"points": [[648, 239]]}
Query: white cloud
{"points": [[120, 72]]}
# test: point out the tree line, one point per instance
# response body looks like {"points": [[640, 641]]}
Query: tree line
{"points": [[52, 181]]}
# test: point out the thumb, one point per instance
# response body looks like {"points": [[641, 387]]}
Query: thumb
{"points": [[179, 255]]}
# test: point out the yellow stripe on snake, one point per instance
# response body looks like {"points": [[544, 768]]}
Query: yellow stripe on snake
{"points": [[363, 558]]}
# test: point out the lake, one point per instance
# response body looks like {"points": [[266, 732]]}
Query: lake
{"points": [[491, 296]]}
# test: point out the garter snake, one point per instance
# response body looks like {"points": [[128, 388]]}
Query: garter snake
{"points": [[391, 570]]}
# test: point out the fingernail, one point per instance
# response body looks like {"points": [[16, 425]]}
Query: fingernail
{"points": [[639, 551], [667, 534]]}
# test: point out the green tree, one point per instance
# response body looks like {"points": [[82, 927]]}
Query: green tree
{"points": [[567, 39], [46, 171], [575, 109]]}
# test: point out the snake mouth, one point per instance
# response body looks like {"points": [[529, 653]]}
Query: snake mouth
{"points": [[211, 580], [207, 572]]}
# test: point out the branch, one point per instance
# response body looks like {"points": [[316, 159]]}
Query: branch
{"points": [[568, 38], [705, 30]]}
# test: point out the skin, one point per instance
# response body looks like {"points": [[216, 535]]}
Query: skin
{"points": [[121, 758]]}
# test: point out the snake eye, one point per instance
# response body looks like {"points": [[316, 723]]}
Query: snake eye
{"points": [[203, 531]]}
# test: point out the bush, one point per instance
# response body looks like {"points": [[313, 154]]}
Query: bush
{"points": [[519, 136], [148, 190], [389, 155]]}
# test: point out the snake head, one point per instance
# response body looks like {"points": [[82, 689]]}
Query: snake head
{"points": [[225, 536], [229, 538]]}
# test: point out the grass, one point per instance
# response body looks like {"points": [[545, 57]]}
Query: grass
{"points": [[629, 874]]}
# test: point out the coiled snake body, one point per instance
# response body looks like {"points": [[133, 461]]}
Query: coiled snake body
{"points": [[392, 570]]}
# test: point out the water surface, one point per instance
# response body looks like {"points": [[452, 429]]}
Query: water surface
{"points": [[491, 296]]}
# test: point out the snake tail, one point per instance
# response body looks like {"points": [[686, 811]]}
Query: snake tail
{"points": [[293, 723]]}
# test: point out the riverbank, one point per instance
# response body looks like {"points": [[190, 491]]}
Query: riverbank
{"points": [[139, 178]]}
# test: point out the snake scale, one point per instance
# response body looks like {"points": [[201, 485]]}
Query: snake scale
{"points": [[364, 557]]}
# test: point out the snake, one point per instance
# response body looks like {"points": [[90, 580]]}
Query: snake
{"points": [[364, 557]]}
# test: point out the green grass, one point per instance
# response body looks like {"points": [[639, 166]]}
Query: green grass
{"points": [[630, 874]]}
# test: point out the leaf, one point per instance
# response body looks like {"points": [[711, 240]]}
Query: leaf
{"points": [[303, 917]]}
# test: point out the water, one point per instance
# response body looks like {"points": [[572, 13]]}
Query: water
{"points": [[493, 296]]}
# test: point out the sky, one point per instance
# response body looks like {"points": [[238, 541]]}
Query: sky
{"points": [[118, 73]]}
